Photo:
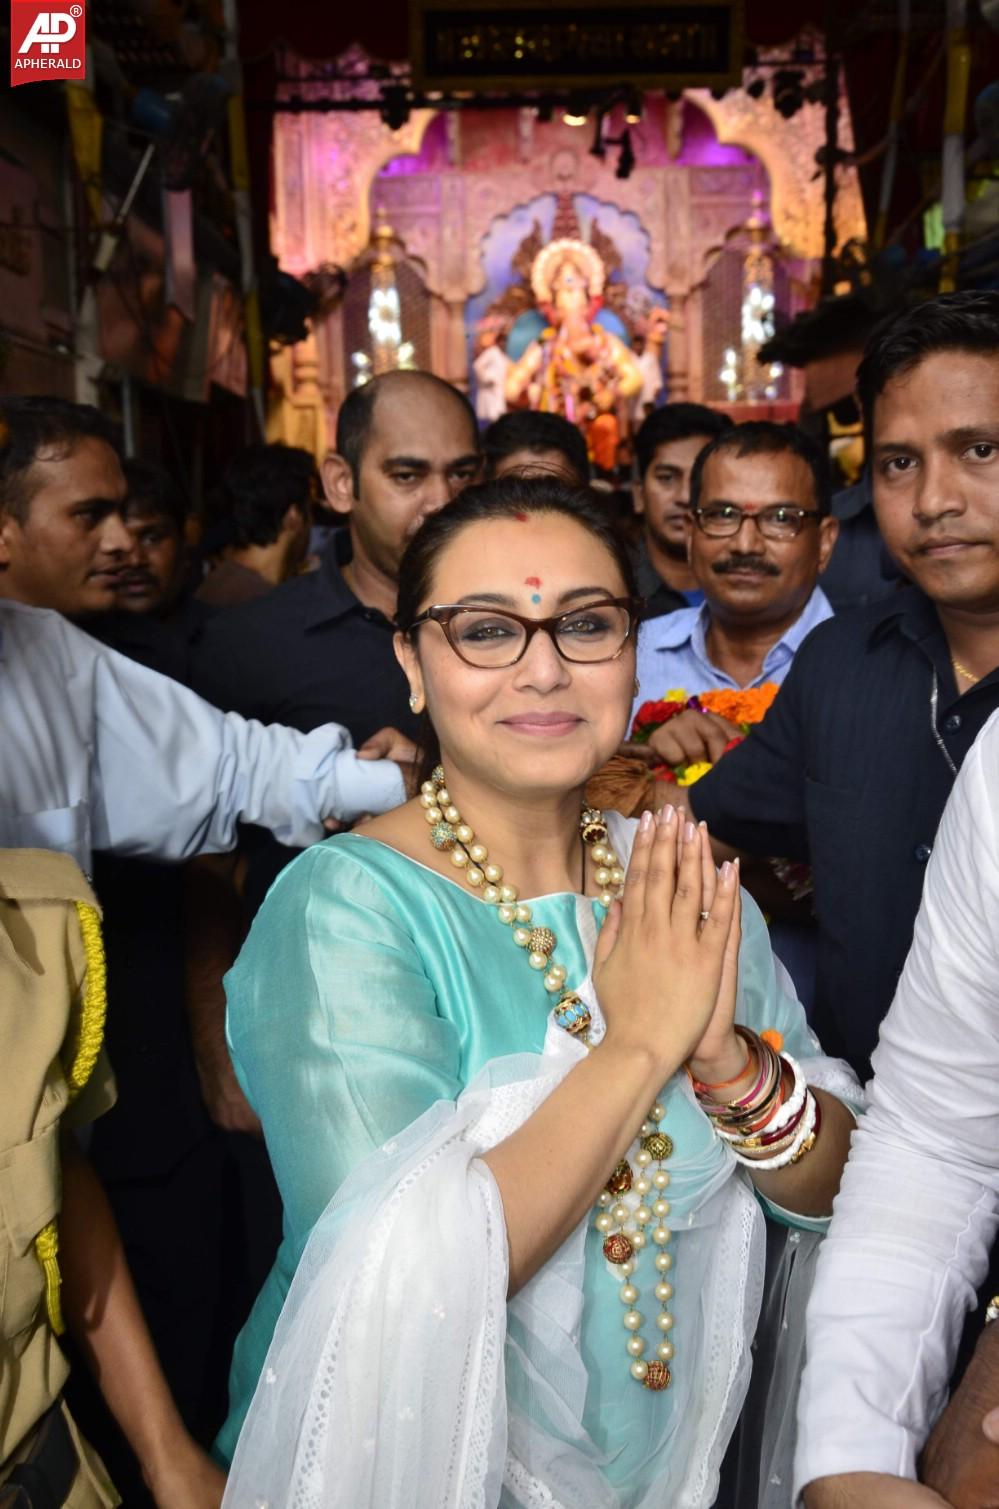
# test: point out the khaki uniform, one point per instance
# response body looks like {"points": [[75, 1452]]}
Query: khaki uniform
{"points": [[42, 971]]}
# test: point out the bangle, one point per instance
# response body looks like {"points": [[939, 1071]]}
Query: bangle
{"points": [[806, 1133], [812, 1138], [755, 1110], [797, 1097], [750, 1040]]}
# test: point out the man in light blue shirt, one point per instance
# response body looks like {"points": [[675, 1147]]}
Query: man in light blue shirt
{"points": [[759, 535], [97, 751]]}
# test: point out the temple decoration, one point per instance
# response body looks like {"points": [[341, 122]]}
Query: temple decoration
{"points": [[742, 374], [385, 314], [746, 287], [388, 351], [576, 367], [463, 206]]}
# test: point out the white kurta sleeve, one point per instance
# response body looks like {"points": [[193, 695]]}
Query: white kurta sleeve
{"points": [[172, 775], [917, 1211]]}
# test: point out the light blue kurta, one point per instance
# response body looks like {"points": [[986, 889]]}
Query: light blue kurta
{"points": [[371, 987]]}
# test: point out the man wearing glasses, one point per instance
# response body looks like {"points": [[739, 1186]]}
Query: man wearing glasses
{"points": [[759, 535]]}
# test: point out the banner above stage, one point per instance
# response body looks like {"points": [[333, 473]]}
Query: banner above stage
{"points": [[576, 44]]}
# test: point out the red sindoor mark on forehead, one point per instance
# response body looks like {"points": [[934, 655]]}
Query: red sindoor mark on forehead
{"points": [[520, 517]]}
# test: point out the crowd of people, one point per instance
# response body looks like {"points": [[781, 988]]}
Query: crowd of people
{"points": [[384, 1122]]}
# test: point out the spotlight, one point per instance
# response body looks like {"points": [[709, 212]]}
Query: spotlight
{"points": [[789, 91], [394, 109], [626, 161], [633, 107], [577, 110]]}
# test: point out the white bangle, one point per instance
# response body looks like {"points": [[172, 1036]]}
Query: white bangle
{"points": [[781, 1160], [793, 1105]]}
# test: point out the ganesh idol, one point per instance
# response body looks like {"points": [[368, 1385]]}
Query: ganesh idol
{"points": [[576, 367]]}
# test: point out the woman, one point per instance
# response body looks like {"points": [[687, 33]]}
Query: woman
{"points": [[454, 1332]]}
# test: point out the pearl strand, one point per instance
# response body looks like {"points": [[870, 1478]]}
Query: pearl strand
{"points": [[449, 833], [623, 1247]]}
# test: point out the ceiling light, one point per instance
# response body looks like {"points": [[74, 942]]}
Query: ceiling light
{"points": [[577, 110]]}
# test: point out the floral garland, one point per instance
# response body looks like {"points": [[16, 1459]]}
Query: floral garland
{"points": [[743, 708]]}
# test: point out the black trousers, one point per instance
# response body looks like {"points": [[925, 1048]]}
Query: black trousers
{"points": [[200, 1241]]}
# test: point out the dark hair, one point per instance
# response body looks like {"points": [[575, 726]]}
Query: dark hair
{"points": [[526, 430], [151, 489], [29, 425], [357, 412], [260, 484], [508, 498], [760, 437], [676, 421], [967, 321]]}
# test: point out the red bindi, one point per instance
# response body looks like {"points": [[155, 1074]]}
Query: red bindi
{"points": [[532, 581]]}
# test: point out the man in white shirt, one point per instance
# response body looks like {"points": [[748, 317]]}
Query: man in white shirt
{"points": [[919, 1204], [96, 751]]}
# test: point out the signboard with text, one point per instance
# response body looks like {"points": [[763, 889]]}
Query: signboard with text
{"points": [[520, 44]]}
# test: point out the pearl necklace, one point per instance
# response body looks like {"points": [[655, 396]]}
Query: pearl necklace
{"points": [[621, 1222]]}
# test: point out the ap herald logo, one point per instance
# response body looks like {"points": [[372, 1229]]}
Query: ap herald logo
{"points": [[47, 44]]}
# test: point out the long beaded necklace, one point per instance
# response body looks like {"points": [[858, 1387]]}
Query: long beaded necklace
{"points": [[624, 1218]]}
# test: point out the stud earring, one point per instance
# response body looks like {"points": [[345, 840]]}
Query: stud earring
{"points": [[414, 702]]}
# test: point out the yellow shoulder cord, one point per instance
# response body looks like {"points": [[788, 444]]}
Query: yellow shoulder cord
{"points": [[93, 1011]]}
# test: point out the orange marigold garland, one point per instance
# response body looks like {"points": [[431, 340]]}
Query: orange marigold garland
{"points": [[743, 708]]}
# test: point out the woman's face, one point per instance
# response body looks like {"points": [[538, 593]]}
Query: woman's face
{"points": [[543, 724]]}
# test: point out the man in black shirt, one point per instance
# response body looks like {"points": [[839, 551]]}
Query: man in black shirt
{"points": [[855, 761], [666, 447], [406, 444]]}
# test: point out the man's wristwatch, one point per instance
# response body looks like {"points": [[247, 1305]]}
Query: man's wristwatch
{"points": [[992, 1309]]}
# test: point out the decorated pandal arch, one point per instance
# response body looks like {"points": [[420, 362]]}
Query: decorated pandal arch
{"points": [[498, 251]]}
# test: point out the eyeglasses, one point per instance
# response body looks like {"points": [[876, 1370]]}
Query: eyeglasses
{"points": [[495, 639], [781, 521]]}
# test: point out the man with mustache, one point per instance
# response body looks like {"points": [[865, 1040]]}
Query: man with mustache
{"points": [[759, 535]]}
